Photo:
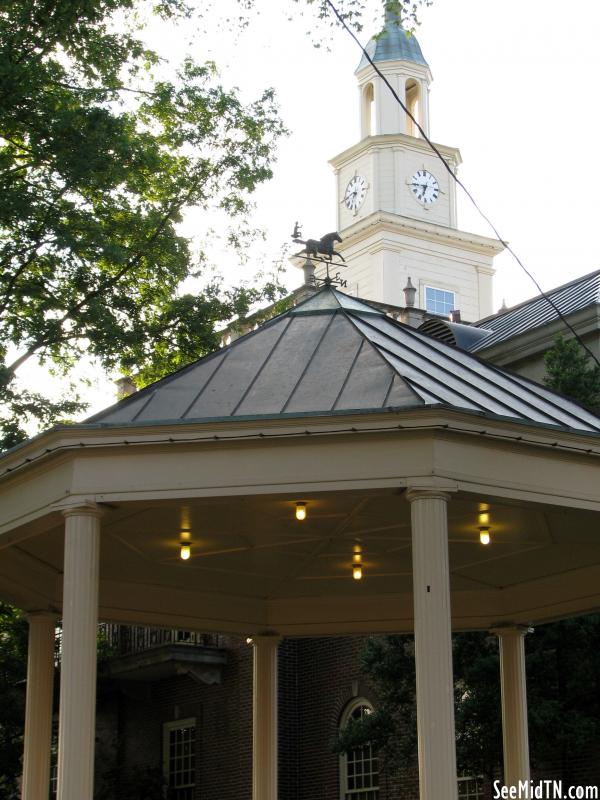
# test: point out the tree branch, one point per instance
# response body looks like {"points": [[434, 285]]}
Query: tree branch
{"points": [[19, 145], [38, 240], [133, 262], [101, 89]]}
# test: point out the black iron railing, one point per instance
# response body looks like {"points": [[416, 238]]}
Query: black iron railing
{"points": [[122, 640]]}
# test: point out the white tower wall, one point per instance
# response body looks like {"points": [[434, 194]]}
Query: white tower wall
{"points": [[394, 231]]}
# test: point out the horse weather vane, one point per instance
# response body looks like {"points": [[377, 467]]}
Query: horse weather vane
{"points": [[321, 250]]}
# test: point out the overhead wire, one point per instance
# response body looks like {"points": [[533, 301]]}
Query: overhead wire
{"points": [[457, 180]]}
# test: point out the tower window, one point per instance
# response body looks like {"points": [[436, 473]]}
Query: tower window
{"points": [[412, 104], [359, 767], [179, 758], [439, 301], [369, 110]]}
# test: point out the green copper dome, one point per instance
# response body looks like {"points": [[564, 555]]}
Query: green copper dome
{"points": [[393, 44]]}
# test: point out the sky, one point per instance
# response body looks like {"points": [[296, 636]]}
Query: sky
{"points": [[514, 88]]}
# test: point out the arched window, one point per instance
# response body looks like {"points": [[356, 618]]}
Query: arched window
{"points": [[412, 103], [359, 767], [369, 110]]}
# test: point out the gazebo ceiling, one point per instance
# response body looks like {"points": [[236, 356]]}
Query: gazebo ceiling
{"points": [[251, 557], [254, 546], [333, 354]]}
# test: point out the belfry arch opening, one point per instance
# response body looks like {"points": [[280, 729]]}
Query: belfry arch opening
{"points": [[413, 104], [369, 110]]}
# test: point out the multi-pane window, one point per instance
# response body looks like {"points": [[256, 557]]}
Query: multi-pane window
{"points": [[179, 757], [470, 787], [359, 767], [439, 301], [54, 761]]}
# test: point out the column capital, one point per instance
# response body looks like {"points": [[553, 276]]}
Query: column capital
{"points": [[413, 494], [34, 617], [79, 507], [511, 630], [430, 487], [264, 639]]}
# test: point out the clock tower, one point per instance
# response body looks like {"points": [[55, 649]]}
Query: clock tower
{"points": [[396, 202]]}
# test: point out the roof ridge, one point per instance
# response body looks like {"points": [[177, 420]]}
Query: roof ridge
{"points": [[374, 347], [308, 362], [262, 366], [312, 305]]}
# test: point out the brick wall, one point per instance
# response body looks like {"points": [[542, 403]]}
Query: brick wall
{"points": [[580, 770], [329, 678], [223, 715]]}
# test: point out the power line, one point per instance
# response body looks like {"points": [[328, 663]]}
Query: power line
{"points": [[457, 180]]}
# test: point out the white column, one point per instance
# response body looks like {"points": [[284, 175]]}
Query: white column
{"points": [[514, 703], [77, 722], [38, 706], [264, 719], [452, 196], [364, 118], [424, 106], [433, 645]]}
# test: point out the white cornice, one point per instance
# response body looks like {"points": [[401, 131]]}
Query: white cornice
{"points": [[390, 68], [66, 441], [385, 141], [382, 221]]}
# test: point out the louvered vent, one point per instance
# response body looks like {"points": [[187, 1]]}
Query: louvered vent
{"points": [[457, 334], [438, 329]]}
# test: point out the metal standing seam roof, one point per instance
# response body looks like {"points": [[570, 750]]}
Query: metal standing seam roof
{"points": [[569, 298], [393, 44], [334, 354]]}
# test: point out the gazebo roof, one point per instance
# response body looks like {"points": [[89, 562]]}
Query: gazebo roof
{"points": [[335, 354]]}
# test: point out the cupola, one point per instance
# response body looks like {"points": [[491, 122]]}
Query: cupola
{"points": [[397, 54]]}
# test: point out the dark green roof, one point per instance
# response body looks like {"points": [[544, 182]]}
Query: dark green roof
{"points": [[393, 44]]}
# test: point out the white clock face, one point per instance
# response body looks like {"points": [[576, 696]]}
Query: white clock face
{"points": [[425, 187], [356, 192]]}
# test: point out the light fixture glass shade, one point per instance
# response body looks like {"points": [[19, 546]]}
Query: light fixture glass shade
{"points": [[300, 511], [484, 535], [185, 550], [357, 571]]}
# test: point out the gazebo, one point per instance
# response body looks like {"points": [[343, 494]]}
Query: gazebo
{"points": [[406, 453]]}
